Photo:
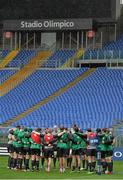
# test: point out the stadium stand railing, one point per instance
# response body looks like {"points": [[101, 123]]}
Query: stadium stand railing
{"points": [[59, 57], [72, 60], [111, 54]]}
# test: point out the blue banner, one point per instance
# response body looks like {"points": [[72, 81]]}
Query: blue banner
{"points": [[118, 154]]}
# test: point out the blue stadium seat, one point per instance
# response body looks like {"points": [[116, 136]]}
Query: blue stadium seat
{"points": [[22, 58], [59, 57], [94, 102], [5, 74], [36, 87], [3, 53], [111, 50]]}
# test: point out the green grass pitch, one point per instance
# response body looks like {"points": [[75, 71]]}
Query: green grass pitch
{"points": [[54, 174]]}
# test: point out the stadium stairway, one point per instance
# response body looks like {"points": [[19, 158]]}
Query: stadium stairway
{"points": [[49, 98], [8, 58], [23, 73], [71, 60]]}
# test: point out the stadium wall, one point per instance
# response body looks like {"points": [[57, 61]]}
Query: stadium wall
{"points": [[104, 18]]}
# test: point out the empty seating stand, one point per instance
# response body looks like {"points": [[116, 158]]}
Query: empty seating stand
{"points": [[94, 102], [35, 88], [5, 74], [59, 57], [111, 50], [3, 53], [22, 58]]}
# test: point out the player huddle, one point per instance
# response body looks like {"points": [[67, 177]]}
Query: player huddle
{"points": [[71, 148]]}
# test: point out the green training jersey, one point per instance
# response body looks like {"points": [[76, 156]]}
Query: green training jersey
{"points": [[109, 145], [83, 141], [17, 141], [102, 143], [83, 144], [76, 142], [15, 133], [26, 141], [63, 141], [34, 145]]}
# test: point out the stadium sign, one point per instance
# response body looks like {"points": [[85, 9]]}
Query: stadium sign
{"points": [[47, 24], [118, 154]]}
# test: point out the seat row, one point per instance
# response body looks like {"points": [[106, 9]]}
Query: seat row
{"points": [[39, 85], [94, 102]]}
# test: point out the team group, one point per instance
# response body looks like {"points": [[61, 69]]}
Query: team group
{"points": [[71, 148]]}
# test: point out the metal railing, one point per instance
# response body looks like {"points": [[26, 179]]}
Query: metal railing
{"points": [[4, 135], [102, 54], [118, 134]]}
